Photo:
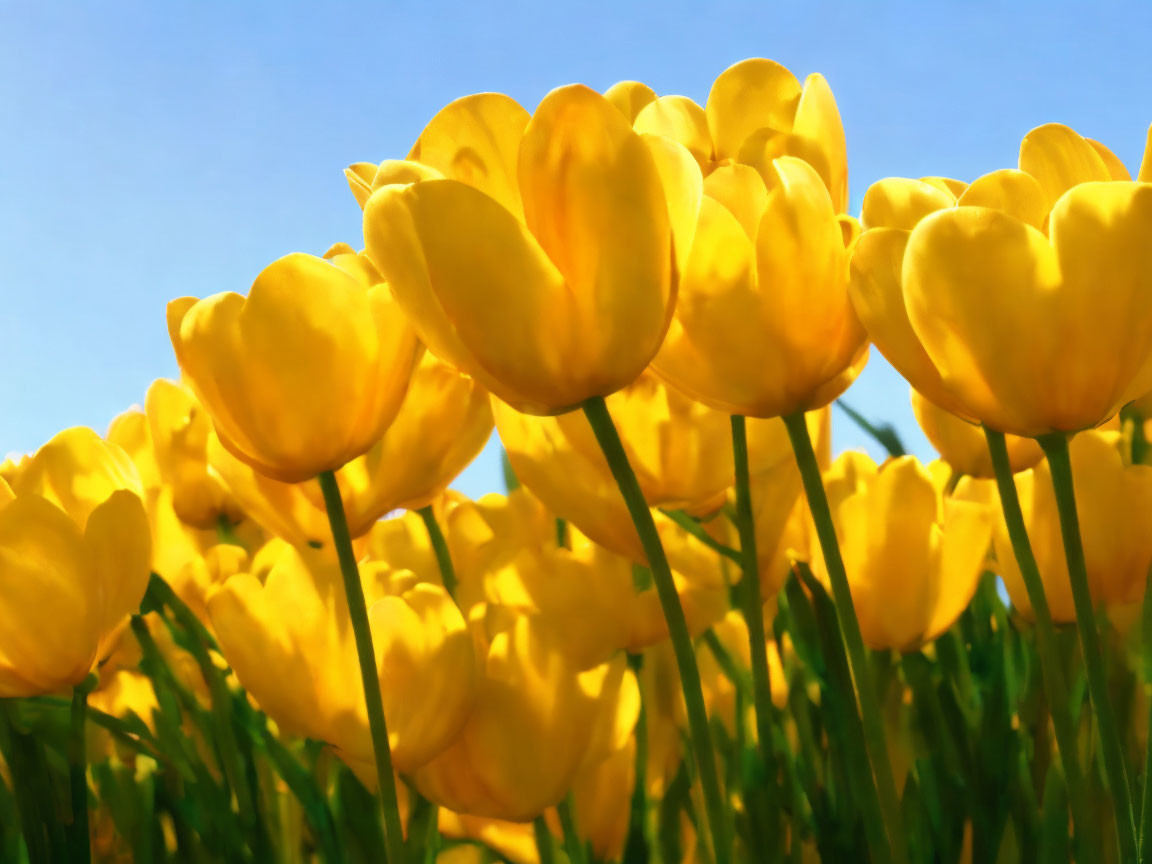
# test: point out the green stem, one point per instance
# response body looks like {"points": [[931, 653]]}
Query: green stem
{"points": [[636, 844], [78, 842], [870, 714], [572, 844], [752, 608], [358, 613], [1146, 797], [1051, 669], [440, 547], [602, 426], [544, 845], [1055, 448]]}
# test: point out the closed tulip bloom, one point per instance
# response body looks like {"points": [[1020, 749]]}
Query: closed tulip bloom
{"points": [[292, 648], [1113, 499], [531, 701], [1055, 248], [763, 324], [549, 291], [962, 444], [913, 556], [306, 372], [179, 429], [74, 562]]}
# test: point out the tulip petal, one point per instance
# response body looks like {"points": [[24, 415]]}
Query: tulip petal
{"points": [[119, 541], [403, 171], [448, 247], [1145, 175], [629, 97], [681, 120], [966, 535], [974, 280], [898, 202], [475, 140], [1116, 168], [1059, 159], [1015, 192], [594, 201], [359, 177], [683, 187], [947, 185], [742, 191], [748, 96], [818, 119]]}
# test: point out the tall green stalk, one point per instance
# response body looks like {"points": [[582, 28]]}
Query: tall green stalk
{"points": [[79, 845], [366, 654], [609, 440], [440, 548], [870, 713], [752, 608], [1050, 667], [1055, 448]]}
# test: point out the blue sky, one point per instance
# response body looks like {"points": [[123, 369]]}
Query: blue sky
{"points": [[153, 150]]}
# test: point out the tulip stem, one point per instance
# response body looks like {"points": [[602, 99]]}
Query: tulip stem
{"points": [[870, 714], [596, 411], [1146, 655], [78, 842], [358, 613], [1051, 668], [440, 547], [1055, 448], [572, 844], [545, 847], [752, 608]]}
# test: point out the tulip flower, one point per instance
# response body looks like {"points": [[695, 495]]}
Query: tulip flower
{"points": [[630, 97], [913, 556], [553, 286], [531, 700], [763, 325], [1113, 500], [1022, 248], [306, 372], [74, 547], [298, 620], [962, 445]]}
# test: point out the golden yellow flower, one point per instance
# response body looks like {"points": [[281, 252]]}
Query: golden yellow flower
{"points": [[962, 445], [913, 556], [306, 372], [550, 283]]}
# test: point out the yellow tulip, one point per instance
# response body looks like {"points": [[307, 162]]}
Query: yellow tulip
{"points": [[291, 646], [913, 556], [763, 324], [945, 290], [1113, 501], [554, 285], [962, 445], [531, 701], [1145, 175], [306, 372], [179, 430], [74, 561]]}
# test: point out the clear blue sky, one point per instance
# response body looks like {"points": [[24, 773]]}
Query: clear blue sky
{"points": [[153, 150]]}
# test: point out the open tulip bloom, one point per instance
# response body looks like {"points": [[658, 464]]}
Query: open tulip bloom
{"points": [[255, 621]]}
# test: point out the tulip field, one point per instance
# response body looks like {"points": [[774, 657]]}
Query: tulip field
{"points": [[250, 621]]}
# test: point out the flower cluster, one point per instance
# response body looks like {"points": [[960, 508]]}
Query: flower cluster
{"points": [[685, 632]]}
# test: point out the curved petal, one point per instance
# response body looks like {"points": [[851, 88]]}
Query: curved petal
{"points": [[1145, 175], [974, 280], [1116, 168], [683, 187], [1059, 159], [681, 120], [475, 140], [966, 535], [740, 189], [947, 185], [594, 201], [359, 177], [629, 97], [899, 202], [818, 119], [748, 96], [1015, 192], [120, 543]]}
